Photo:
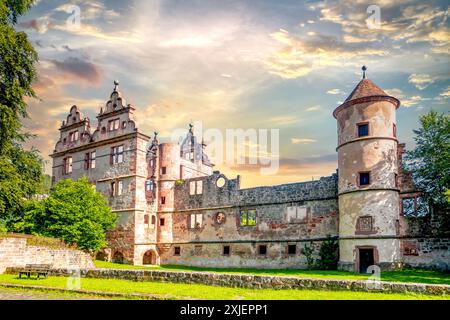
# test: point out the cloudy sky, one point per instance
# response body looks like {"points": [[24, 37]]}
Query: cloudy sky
{"points": [[239, 64]]}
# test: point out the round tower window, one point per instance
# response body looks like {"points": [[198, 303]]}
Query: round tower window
{"points": [[220, 182]]}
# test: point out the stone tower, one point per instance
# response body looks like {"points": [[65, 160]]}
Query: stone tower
{"points": [[368, 188]]}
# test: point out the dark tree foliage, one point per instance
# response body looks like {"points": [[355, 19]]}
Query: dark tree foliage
{"points": [[20, 170], [429, 164], [328, 254]]}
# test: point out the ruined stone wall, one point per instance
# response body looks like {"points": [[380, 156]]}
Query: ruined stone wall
{"points": [[276, 227], [14, 252], [427, 253]]}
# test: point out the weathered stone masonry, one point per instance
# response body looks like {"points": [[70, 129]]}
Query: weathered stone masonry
{"points": [[174, 209]]}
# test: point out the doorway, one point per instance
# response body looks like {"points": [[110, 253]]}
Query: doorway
{"points": [[366, 259], [149, 257]]}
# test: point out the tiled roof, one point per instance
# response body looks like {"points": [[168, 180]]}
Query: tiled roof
{"points": [[365, 88]]}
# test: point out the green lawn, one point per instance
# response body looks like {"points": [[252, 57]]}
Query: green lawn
{"points": [[407, 275], [197, 291]]}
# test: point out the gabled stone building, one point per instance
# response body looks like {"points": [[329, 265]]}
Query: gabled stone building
{"points": [[174, 209]]}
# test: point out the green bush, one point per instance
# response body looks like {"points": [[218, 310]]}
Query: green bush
{"points": [[74, 212], [308, 251], [328, 254]]}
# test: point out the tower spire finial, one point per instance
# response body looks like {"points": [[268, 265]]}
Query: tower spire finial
{"points": [[364, 68], [116, 85]]}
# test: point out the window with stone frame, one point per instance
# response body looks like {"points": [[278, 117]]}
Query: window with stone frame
{"points": [[195, 187], [195, 220], [363, 129], [73, 136], [296, 214], [364, 178], [163, 200], [292, 249], [149, 185], [262, 249], [113, 188], [176, 251], [116, 155], [67, 165], [92, 162], [113, 124], [89, 160], [415, 206], [247, 218], [116, 188], [364, 225]]}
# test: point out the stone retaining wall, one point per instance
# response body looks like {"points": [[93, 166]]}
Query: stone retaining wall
{"points": [[255, 281], [14, 252]]}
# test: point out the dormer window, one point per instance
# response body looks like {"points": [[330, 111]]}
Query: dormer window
{"points": [[73, 136], [113, 124], [363, 129]]}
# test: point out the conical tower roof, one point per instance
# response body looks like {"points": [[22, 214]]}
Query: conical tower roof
{"points": [[365, 88], [366, 91]]}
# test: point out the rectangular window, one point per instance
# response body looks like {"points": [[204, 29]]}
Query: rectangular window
{"points": [[113, 189], [149, 185], [199, 185], [396, 180], [163, 200], [67, 165], [192, 188], [226, 250], [93, 160], [116, 154], [363, 129], [163, 170], [146, 219], [248, 217], [394, 129], [119, 187], [262, 249], [296, 214], [195, 220], [195, 187], [86, 160], [113, 124], [161, 222], [292, 249], [364, 178], [73, 136], [176, 251]]}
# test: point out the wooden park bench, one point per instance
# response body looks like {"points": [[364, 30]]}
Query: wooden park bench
{"points": [[38, 269]]}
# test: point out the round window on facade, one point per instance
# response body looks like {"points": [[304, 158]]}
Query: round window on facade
{"points": [[220, 182]]}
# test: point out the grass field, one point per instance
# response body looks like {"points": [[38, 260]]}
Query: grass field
{"points": [[407, 275], [197, 291]]}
